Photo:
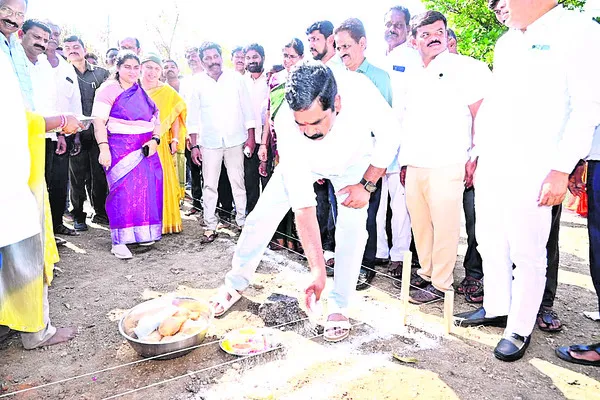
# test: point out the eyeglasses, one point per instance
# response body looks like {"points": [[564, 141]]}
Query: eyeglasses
{"points": [[8, 12]]}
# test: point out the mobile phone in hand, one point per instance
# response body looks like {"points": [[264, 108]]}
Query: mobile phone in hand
{"points": [[145, 150]]}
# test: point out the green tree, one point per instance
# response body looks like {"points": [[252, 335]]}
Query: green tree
{"points": [[476, 26]]}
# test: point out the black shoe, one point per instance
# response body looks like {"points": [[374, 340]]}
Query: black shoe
{"points": [[100, 219], [364, 279], [329, 271], [59, 241], [63, 230], [512, 348], [381, 261], [477, 317], [80, 226]]}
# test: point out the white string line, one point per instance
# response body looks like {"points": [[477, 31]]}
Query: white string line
{"points": [[437, 297], [236, 360], [132, 363]]}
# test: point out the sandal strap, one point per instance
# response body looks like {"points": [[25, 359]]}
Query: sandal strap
{"points": [[581, 348], [221, 297], [329, 325]]}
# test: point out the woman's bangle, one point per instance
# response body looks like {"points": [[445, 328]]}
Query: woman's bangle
{"points": [[263, 144], [106, 143], [195, 147], [63, 122]]}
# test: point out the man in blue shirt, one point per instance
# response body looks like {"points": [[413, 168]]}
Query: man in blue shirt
{"points": [[12, 15], [351, 42]]}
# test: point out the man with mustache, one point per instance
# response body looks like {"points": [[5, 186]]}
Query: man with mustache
{"points": [[238, 59], [110, 58], [12, 15], [546, 89], [436, 150], [258, 87], [34, 38], [171, 74], [351, 41], [85, 171], [195, 172], [68, 100], [131, 44], [325, 128], [221, 124], [322, 47], [401, 61]]}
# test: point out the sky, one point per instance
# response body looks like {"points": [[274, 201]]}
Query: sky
{"points": [[271, 23]]}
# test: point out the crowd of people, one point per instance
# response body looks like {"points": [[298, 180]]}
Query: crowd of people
{"points": [[329, 155]]}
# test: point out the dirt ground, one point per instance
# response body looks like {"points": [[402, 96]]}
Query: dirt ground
{"points": [[92, 289]]}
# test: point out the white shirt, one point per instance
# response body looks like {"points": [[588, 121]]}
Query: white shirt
{"points": [[19, 214], [259, 92], [436, 120], [220, 112], [44, 87], [348, 146], [400, 63], [69, 96], [545, 100], [595, 152]]}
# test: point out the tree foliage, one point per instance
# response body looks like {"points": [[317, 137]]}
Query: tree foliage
{"points": [[476, 26]]}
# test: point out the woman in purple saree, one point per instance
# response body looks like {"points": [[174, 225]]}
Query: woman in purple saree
{"points": [[127, 126]]}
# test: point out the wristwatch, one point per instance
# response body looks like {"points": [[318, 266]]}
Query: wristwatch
{"points": [[156, 139], [368, 185]]}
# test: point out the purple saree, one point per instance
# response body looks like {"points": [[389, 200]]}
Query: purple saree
{"points": [[134, 203]]}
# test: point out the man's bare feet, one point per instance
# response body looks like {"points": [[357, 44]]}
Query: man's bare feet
{"points": [[62, 335], [218, 308], [591, 355]]}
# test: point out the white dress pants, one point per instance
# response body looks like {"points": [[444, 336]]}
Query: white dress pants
{"points": [[211, 170], [512, 228], [400, 219], [261, 223]]}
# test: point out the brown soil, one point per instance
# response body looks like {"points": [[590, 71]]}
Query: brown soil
{"points": [[92, 289]]}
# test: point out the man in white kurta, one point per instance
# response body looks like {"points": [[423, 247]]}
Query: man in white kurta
{"points": [[535, 124], [338, 146]]}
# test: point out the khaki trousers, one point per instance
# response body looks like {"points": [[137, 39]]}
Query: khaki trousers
{"points": [[434, 200]]}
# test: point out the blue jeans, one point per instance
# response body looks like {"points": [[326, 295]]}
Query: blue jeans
{"points": [[593, 191]]}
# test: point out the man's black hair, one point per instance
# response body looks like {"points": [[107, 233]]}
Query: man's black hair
{"points": [[256, 47], [91, 55], [238, 48], [426, 18], [492, 4], [402, 10], [74, 38], [451, 34], [207, 46], [172, 61], [30, 23], [309, 82], [324, 27], [109, 50], [354, 27]]}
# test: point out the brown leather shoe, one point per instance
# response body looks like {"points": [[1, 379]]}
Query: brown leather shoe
{"points": [[428, 294]]}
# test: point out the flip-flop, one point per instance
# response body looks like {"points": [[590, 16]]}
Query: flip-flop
{"points": [[563, 353], [209, 238], [545, 318], [221, 299], [336, 326]]}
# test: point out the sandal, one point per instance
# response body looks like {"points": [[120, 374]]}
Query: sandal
{"points": [[335, 327], [277, 244], [395, 269], [226, 298], [564, 353], [546, 318], [212, 235], [416, 280], [329, 267], [472, 288]]}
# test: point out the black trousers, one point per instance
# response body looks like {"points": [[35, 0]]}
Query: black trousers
{"points": [[593, 191], [472, 263], [196, 174], [57, 180], [86, 174], [252, 180], [225, 200], [371, 246], [324, 213]]}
